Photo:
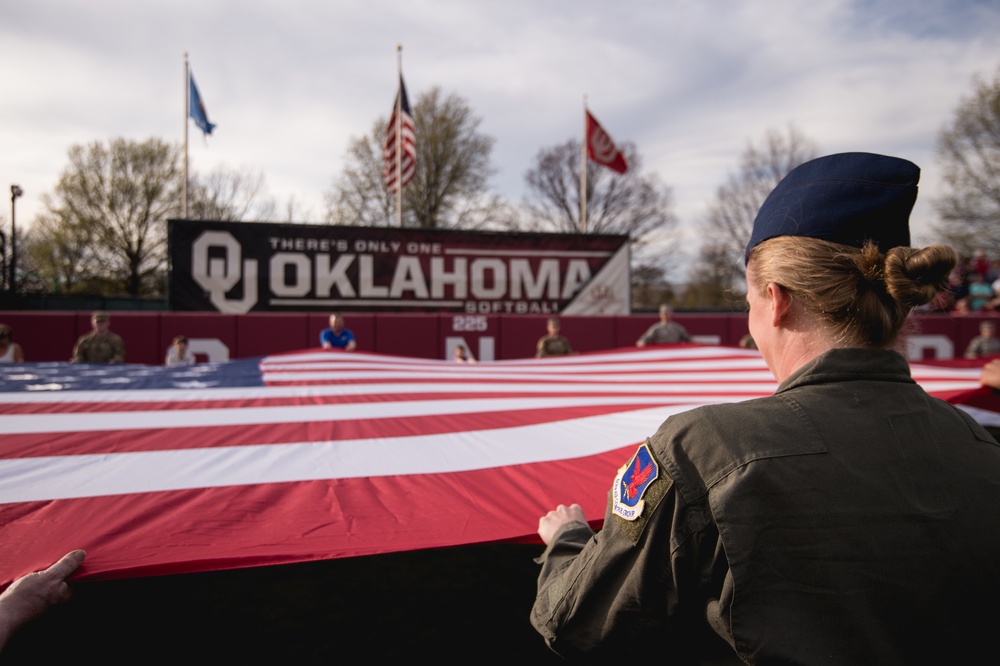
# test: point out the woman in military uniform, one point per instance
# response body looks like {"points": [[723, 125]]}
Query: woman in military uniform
{"points": [[849, 518]]}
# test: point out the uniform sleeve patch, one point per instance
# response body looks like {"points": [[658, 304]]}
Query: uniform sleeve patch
{"points": [[633, 479]]}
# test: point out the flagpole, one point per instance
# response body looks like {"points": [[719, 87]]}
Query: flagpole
{"points": [[399, 136], [583, 171], [187, 107]]}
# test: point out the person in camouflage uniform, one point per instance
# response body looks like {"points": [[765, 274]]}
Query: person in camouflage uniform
{"points": [[100, 345], [553, 344], [664, 332]]}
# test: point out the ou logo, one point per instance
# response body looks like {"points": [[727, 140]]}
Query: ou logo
{"points": [[603, 147], [218, 275]]}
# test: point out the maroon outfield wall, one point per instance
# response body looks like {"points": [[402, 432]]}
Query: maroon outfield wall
{"points": [[49, 336]]}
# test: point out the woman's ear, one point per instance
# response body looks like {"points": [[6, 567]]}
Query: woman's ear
{"points": [[780, 301]]}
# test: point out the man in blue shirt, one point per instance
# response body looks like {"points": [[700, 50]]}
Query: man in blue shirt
{"points": [[337, 337]]}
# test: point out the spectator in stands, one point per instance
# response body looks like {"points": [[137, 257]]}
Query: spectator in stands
{"points": [[666, 332], [993, 274], [980, 293], [462, 355], [10, 351], [29, 596], [964, 267], [980, 264], [957, 285], [986, 343], [179, 354], [995, 285], [337, 337], [101, 345], [552, 344]]}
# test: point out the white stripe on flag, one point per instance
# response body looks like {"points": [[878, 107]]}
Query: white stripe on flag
{"points": [[65, 477], [194, 418]]}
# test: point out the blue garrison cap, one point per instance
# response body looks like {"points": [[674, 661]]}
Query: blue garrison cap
{"points": [[847, 198]]}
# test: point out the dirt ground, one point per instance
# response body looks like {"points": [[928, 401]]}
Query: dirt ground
{"points": [[458, 604]]}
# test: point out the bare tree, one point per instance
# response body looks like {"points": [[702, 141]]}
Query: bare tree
{"points": [[730, 218], [294, 211], [103, 230], [449, 186], [58, 257], [4, 241], [228, 195], [453, 163], [714, 281], [105, 223], [649, 287], [359, 196], [969, 153], [629, 203]]}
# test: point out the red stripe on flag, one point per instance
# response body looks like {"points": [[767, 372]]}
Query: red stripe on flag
{"points": [[400, 143], [235, 527]]}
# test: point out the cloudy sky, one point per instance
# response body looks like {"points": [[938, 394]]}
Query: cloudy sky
{"points": [[289, 83]]}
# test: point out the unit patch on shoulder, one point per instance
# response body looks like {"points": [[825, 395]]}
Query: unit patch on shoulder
{"points": [[631, 483]]}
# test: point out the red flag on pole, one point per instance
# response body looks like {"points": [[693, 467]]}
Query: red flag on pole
{"points": [[601, 149], [404, 134]]}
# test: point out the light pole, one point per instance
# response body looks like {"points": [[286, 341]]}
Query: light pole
{"points": [[15, 192]]}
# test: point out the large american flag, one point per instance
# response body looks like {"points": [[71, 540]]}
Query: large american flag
{"points": [[319, 455], [405, 143]]}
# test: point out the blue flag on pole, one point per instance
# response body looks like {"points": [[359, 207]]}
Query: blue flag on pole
{"points": [[196, 109]]}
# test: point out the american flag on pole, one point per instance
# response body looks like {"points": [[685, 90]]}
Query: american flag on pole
{"points": [[320, 455], [400, 150]]}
